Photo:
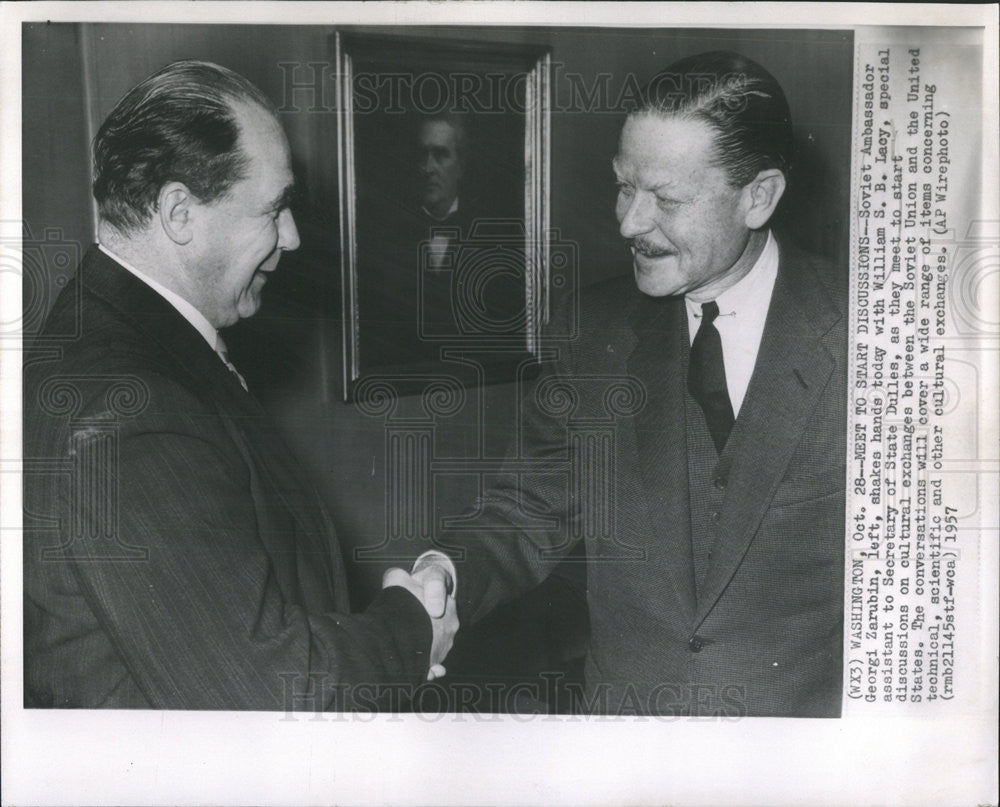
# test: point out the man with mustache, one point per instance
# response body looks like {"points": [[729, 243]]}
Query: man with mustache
{"points": [[701, 417], [175, 555]]}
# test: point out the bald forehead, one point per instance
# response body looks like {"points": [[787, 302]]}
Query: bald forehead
{"points": [[438, 133], [269, 183], [261, 134], [255, 119]]}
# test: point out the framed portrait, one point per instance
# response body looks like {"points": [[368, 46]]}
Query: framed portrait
{"points": [[443, 173]]}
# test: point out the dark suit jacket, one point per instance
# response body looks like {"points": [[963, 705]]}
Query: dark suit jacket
{"points": [[174, 556], [602, 456]]}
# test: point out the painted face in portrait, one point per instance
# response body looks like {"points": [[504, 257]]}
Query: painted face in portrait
{"points": [[440, 166]]}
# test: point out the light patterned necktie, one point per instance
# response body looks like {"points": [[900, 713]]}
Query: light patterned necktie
{"points": [[220, 348]]}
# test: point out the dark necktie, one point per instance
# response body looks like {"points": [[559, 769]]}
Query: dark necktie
{"points": [[707, 377]]}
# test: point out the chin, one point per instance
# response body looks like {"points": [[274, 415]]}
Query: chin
{"points": [[656, 282], [247, 308]]}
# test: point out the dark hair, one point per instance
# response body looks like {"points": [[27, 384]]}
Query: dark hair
{"points": [[177, 125], [739, 100]]}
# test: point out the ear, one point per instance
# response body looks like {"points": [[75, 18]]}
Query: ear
{"points": [[175, 209], [763, 193]]}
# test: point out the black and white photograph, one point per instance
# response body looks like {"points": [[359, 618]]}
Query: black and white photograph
{"points": [[549, 380], [206, 495]]}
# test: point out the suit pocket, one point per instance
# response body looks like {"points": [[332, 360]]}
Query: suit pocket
{"points": [[803, 488]]}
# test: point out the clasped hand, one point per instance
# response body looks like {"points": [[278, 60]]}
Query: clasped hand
{"points": [[431, 583]]}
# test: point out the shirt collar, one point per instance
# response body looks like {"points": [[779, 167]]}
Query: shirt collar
{"points": [[184, 308]]}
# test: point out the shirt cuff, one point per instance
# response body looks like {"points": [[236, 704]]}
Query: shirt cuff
{"points": [[433, 556]]}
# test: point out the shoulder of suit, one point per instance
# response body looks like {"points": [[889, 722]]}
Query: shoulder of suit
{"points": [[110, 390], [100, 332], [108, 364], [832, 276]]}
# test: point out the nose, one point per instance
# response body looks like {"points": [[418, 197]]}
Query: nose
{"points": [[288, 233], [428, 164], [634, 217]]}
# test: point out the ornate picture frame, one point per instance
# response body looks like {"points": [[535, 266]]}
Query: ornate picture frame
{"points": [[443, 155]]}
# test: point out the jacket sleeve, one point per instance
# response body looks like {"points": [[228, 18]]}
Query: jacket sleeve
{"points": [[530, 515], [163, 538]]}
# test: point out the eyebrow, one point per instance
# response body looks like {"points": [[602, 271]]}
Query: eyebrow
{"points": [[662, 186], [656, 189], [285, 199]]}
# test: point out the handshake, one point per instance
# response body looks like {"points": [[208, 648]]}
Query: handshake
{"points": [[432, 581]]}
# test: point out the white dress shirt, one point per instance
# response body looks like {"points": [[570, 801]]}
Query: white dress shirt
{"points": [[439, 242], [742, 314]]}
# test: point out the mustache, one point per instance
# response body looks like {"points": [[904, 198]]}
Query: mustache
{"points": [[647, 248]]}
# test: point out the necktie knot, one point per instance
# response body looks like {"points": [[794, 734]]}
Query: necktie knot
{"points": [[220, 348], [709, 312]]}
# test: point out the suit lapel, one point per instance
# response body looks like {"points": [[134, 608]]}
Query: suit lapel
{"points": [[192, 359], [662, 347], [793, 367]]}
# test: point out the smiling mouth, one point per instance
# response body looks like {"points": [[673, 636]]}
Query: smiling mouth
{"points": [[265, 269], [649, 251]]}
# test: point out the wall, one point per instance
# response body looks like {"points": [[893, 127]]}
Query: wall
{"points": [[55, 158]]}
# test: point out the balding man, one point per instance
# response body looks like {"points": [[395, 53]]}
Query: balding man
{"points": [[175, 556]]}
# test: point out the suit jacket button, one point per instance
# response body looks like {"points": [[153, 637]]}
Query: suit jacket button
{"points": [[696, 644], [719, 482]]}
